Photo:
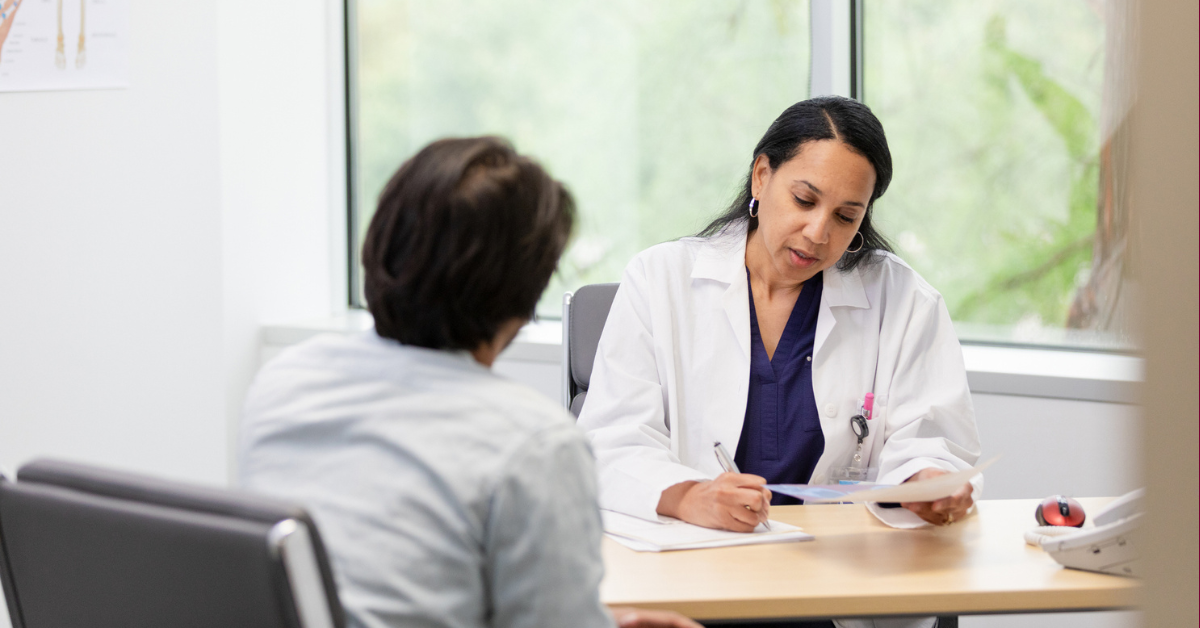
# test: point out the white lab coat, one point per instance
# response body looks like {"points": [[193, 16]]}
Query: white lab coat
{"points": [[672, 373]]}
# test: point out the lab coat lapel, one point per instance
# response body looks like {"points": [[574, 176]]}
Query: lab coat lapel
{"points": [[725, 261], [839, 374], [736, 303], [841, 289], [730, 408]]}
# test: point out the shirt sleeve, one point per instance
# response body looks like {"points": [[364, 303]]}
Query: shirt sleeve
{"points": [[543, 537], [625, 416], [931, 421]]}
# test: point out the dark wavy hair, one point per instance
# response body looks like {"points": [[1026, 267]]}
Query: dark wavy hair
{"points": [[465, 238], [824, 118]]}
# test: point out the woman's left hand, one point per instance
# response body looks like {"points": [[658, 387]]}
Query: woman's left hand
{"points": [[946, 510]]}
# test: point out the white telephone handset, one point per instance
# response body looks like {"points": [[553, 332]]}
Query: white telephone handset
{"points": [[1109, 547]]}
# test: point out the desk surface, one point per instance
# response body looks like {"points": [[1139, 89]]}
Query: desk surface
{"points": [[859, 567]]}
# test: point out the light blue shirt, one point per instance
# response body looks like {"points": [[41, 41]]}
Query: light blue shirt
{"points": [[447, 495]]}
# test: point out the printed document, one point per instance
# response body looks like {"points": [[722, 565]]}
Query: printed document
{"points": [[917, 491]]}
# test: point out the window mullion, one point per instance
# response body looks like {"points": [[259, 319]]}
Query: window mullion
{"points": [[833, 42]]}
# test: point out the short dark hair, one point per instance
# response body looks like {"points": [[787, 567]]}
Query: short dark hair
{"points": [[823, 118], [466, 236]]}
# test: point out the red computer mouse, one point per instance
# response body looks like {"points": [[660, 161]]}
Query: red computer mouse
{"points": [[1058, 510]]}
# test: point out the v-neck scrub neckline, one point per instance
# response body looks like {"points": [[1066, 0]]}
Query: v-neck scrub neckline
{"points": [[781, 434]]}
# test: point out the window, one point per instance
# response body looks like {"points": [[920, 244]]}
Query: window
{"points": [[994, 113], [649, 112]]}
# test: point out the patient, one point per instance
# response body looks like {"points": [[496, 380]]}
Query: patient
{"points": [[448, 496]]}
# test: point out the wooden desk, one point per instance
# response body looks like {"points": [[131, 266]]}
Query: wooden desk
{"points": [[859, 567]]}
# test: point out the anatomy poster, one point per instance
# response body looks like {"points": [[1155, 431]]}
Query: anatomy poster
{"points": [[63, 44]]}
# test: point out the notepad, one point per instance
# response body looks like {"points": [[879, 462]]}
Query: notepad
{"points": [[672, 534]]}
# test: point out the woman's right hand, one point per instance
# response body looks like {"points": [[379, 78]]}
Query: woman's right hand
{"points": [[733, 501]]}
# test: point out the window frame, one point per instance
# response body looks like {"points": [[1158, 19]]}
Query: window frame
{"points": [[350, 96], [839, 58]]}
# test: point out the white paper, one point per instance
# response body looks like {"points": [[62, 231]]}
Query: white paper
{"points": [[63, 44], [672, 534], [916, 491]]}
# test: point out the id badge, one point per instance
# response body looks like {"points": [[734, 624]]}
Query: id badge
{"points": [[853, 475], [857, 471]]}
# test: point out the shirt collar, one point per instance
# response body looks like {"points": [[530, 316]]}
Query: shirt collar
{"points": [[724, 256], [845, 289]]}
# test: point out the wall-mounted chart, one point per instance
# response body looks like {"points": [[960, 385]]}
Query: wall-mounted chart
{"points": [[63, 44]]}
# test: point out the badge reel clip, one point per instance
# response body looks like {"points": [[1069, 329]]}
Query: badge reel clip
{"points": [[858, 471]]}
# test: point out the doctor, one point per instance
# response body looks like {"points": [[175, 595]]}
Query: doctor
{"points": [[765, 333]]}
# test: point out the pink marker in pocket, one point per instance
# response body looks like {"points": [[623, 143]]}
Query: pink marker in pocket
{"points": [[868, 405]]}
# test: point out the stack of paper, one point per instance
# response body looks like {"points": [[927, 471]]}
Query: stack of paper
{"points": [[673, 534]]}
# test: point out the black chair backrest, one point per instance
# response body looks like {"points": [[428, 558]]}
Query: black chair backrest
{"points": [[84, 546], [585, 319]]}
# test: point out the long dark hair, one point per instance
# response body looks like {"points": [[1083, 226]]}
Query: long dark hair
{"points": [[823, 118]]}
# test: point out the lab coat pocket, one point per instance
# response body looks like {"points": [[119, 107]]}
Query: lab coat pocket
{"points": [[877, 426]]}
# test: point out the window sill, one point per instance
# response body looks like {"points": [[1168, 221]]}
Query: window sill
{"points": [[1020, 371]]}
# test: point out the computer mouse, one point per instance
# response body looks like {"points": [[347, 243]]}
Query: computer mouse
{"points": [[1059, 510]]}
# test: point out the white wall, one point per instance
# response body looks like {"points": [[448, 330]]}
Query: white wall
{"points": [[146, 233], [282, 166], [110, 261]]}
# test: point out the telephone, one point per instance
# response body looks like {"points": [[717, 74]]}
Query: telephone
{"points": [[1108, 547]]}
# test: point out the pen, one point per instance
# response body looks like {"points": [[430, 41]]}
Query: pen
{"points": [[730, 466]]}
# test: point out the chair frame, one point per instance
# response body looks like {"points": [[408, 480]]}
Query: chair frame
{"points": [[568, 381]]}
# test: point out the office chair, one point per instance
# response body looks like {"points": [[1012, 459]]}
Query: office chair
{"points": [[584, 314], [84, 546]]}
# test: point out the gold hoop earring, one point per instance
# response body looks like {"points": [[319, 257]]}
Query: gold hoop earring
{"points": [[753, 207], [860, 244]]}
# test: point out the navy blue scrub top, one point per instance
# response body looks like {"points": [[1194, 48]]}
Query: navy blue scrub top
{"points": [[781, 436]]}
